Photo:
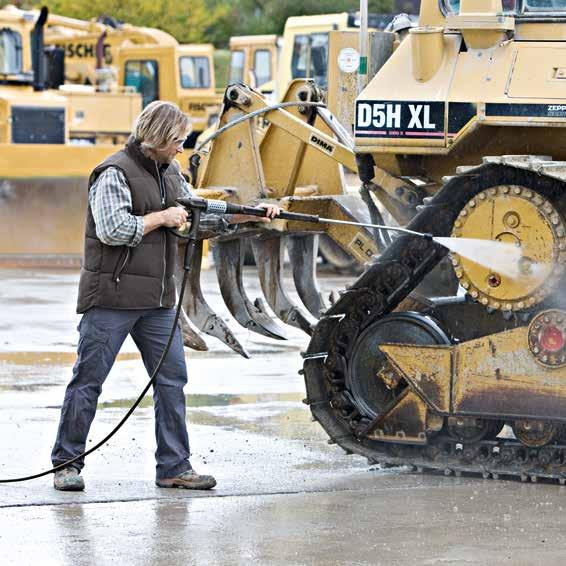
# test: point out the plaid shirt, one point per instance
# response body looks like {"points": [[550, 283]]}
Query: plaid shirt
{"points": [[111, 204]]}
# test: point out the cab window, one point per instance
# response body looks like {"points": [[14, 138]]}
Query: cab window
{"points": [[237, 59], [195, 72], [310, 58], [452, 6], [319, 58], [262, 66], [509, 6], [299, 61], [545, 5], [144, 77], [10, 52]]}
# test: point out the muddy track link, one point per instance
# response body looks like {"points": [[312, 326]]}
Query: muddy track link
{"points": [[379, 290]]}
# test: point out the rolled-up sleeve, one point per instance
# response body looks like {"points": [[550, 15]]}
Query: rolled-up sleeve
{"points": [[110, 200]]}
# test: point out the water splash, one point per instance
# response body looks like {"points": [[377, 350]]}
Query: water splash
{"points": [[502, 258]]}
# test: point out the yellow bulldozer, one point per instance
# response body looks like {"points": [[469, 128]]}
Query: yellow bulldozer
{"points": [[458, 134]]}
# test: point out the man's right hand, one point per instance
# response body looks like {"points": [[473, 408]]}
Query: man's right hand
{"points": [[174, 216]]}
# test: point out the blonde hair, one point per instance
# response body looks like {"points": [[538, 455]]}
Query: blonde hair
{"points": [[159, 124]]}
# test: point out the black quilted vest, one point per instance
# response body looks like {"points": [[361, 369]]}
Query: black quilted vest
{"points": [[123, 277]]}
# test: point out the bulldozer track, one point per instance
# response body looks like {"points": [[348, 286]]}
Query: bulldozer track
{"points": [[380, 290]]}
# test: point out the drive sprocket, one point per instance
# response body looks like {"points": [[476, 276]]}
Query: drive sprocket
{"points": [[521, 217]]}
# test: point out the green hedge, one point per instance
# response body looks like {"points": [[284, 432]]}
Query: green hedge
{"points": [[221, 67]]}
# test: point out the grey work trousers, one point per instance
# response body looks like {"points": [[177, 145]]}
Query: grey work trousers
{"points": [[102, 333]]}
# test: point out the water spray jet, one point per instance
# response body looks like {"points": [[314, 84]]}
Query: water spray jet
{"points": [[506, 258]]}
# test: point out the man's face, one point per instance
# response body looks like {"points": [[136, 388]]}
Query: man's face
{"points": [[168, 153]]}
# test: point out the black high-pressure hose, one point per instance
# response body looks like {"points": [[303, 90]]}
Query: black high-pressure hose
{"points": [[189, 252]]}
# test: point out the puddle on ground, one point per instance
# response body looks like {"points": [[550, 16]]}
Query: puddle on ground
{"points": [[27, 387], [27, 301], [280, 422], [254, 348], [275, 415], [50, 358], [37, 371], [219, 400]]}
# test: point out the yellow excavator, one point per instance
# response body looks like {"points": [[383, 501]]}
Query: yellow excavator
{"points": [[45, 159], [112, 55], [458, 134]]}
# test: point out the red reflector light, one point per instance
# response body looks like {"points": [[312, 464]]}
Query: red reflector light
{"points": [[552, 338]]}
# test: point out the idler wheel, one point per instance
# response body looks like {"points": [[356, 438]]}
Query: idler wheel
{"points": [[371, 381], [534, 433], [469, 429], [547, 338]]}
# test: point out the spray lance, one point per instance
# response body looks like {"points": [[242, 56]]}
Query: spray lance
{"points": [[221, 207]]}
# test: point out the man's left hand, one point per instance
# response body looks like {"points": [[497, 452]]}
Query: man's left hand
{"points": [[272, 212]]}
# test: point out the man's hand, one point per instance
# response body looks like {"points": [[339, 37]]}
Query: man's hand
{"points": [[272, 212], [174, 216]]}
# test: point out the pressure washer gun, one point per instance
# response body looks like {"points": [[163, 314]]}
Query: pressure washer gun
{"points": [[199, 205], [222, 207]]}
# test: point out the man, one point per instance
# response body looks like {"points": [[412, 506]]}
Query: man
{"points": [[127, 287]]}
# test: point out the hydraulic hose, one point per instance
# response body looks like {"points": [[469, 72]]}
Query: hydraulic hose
{"points": [[382, 237], [253, 114], [194, 160]]}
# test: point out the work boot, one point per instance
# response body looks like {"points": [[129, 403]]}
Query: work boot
{"points": [[188, 480], [68, 479]]}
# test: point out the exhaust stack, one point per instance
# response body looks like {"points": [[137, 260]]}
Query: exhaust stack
{"points": [[38, 58]]}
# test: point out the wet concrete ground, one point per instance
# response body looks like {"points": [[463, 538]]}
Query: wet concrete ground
{"points": [[284, 495]]}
